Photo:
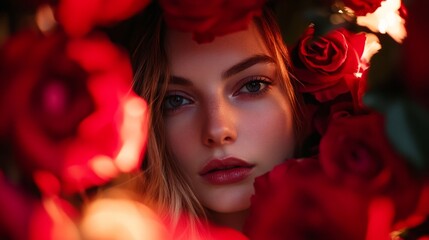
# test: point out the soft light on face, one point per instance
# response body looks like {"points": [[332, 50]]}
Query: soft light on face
{"points": [[224, 102]]}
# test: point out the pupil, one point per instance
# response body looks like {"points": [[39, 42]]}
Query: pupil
{"points": [[176, 101], [253, 86]]}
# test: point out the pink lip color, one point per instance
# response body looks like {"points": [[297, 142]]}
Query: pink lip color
{"points": [[226, 171]]}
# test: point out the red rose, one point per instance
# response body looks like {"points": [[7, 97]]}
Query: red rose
{"points": [[79, 17], [296, 200], [329, 65], [356, 153], [208, 19], [362, 7], [69, 109]]}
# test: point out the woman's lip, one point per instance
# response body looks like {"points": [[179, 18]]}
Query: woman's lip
{"points": [[226, 171]]}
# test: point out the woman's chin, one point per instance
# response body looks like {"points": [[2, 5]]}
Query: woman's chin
{"points": [[228, 199], [232, 219]]}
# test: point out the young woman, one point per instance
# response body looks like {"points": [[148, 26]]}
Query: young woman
{"points": [[222, 113]]}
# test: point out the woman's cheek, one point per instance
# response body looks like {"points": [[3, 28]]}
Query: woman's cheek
{"points": [[181, 131], [267, 126]]}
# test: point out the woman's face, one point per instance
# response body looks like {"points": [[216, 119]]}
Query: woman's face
{"points": [[227, 120]]}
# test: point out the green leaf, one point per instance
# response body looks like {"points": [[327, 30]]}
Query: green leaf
{"points": [[378, 100], [407, 126]]}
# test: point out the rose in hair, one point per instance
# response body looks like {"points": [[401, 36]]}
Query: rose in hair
{"points": [[67, 109], [333, 64], [208, 19]]}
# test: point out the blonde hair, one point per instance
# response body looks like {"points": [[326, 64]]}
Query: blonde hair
{"points": [[162, 183]]}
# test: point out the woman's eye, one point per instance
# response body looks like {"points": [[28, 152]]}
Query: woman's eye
{"points": [[175, 101], [255, 86]]}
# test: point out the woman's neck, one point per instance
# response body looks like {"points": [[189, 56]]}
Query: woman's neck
{"points": [[233, 220]]}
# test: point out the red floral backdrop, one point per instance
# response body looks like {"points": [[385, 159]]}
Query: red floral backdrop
{"points": [[70, 123]]}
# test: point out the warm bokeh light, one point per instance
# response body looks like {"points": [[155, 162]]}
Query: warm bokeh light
{"points": [[386, 19], [133, 133], [45, 18], [103, 166], [372, 46], [116, 219]]}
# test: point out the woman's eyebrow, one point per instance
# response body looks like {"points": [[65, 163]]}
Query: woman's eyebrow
{"points": [[180, 81], [246, 63], [241, 66]]}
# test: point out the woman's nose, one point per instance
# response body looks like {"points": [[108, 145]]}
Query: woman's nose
{"points": [[219, 125]]}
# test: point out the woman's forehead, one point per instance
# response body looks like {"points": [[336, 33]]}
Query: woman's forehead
{"points": [[185, 53]]}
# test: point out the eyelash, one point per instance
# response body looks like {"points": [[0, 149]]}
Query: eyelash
{"points": [[243, 84]]}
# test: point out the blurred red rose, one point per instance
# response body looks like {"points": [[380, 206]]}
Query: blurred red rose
{"points": [[224, 233], [208, 19], [43, 96], [326, 112], [296, 200], [362, 7], [204, 231], [26, 217], [356, 152], [358, 188], [78, 17], [330, 65], [69, 109], [417, 225]]}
